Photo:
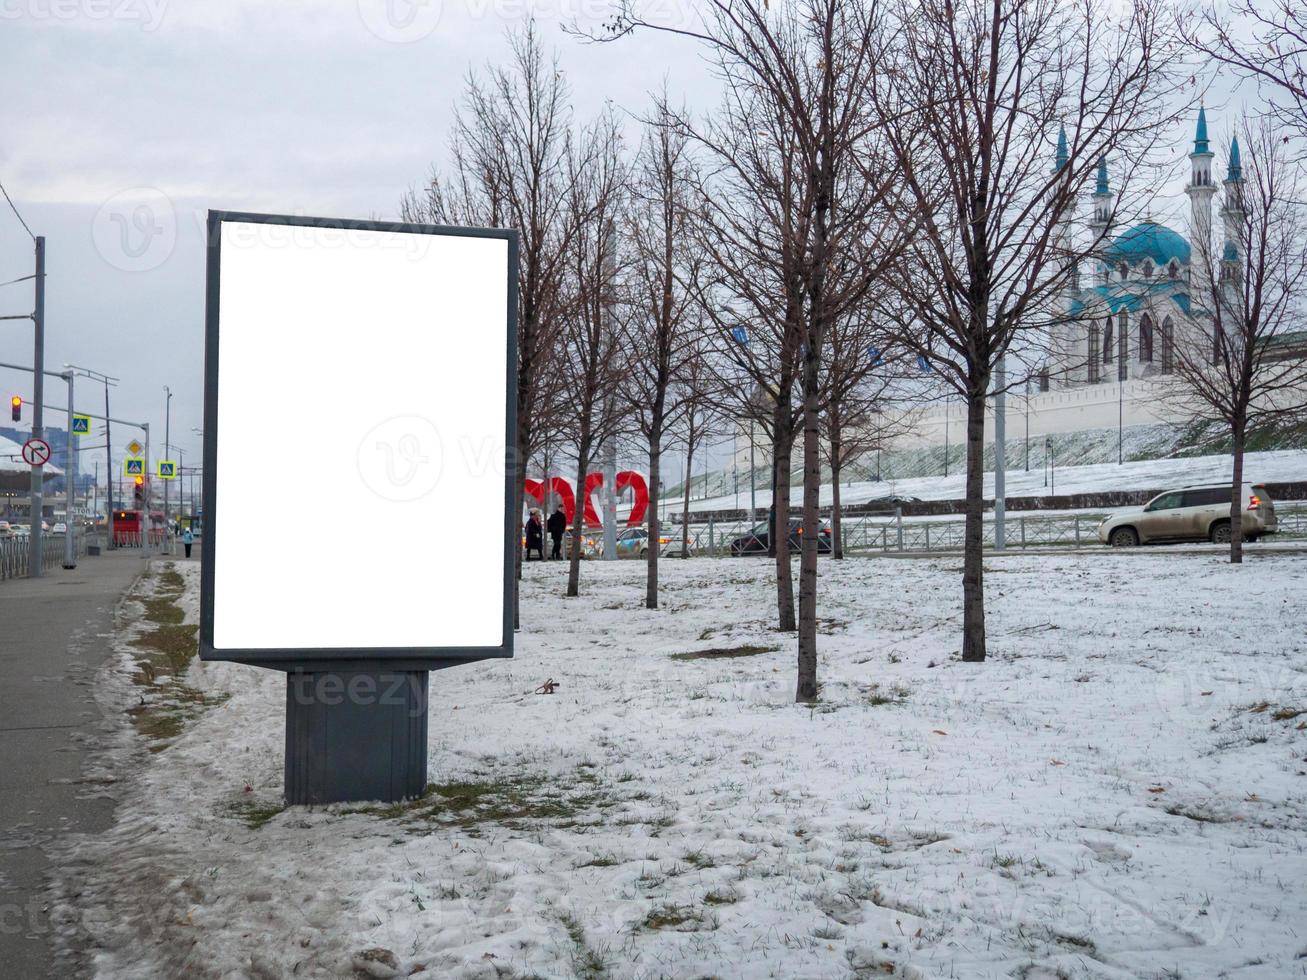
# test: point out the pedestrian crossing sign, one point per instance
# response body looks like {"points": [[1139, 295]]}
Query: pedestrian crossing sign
{"points": [[134, 466], [81, 425], [167, 469]]}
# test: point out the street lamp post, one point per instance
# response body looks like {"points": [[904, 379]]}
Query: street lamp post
{"points": [[108, 441], [167, 451]]}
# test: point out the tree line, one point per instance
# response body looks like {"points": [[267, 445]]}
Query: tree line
{"points": [[881, 207]]}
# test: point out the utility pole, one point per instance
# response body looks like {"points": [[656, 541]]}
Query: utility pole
{"points": [[34, 569], [70, 484], [108, 442], [145, 522], [167, 454]]}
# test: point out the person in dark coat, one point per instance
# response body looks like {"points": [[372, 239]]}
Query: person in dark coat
{"points": [[535, 536], [557, 525]]}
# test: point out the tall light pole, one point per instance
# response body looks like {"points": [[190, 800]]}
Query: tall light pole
{"points": [[167, 448], [34, 569], [108, 441]]}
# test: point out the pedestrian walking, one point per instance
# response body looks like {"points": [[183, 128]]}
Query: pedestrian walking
{"points": [[557, 525], [188, 539], [535, 536]]}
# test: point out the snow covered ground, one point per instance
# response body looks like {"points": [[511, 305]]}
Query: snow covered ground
{"points": [[1279, 466], [1121, 791]]}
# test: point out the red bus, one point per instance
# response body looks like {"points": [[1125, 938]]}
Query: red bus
{"points": [[127, 526]]}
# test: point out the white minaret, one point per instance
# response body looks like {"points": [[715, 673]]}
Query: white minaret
{"points": [[1101, 223], [1232, 218], [1201, 190]]}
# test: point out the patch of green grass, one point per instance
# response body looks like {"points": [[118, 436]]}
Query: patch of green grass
{"points": [[164, 655], [162, 609], [669, 917], [508, 800], [608, 860], [255, 813], [726, 653], [890, 695], [721, 896], [587, 962], [700, 860]]}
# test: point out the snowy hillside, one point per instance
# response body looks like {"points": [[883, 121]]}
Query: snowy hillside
{"points": [[1277, 466]]}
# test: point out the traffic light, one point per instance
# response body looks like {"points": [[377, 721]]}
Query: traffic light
{"points": [[16, 404], [139, 491]]}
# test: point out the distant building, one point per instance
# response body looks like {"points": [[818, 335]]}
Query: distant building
{"points": [[1149, 289]]}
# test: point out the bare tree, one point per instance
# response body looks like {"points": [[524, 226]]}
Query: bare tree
{"points": [[1235, 371], [592, 340], [979, 88], [697, 418], [861, 376], [510, 145], [659, 305], [804, 69], [1263, 40]]}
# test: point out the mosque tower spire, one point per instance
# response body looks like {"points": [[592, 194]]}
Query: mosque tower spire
{"points": [[1102, 220], [1201, 191], [1232, 217]]}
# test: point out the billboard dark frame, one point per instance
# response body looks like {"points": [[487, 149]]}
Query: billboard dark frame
{"points": [[336, 658]]}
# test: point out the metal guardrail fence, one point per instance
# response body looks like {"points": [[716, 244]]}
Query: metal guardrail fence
{"points": [[865, 534], [15, 552]]}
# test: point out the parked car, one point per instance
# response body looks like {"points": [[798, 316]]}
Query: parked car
{"points": [[757, 541], [634, 543], [59, 528], [6, 530], [1199, 513]]}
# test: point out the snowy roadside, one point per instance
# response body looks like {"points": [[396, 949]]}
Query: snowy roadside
{"points": [[1120, 792]]}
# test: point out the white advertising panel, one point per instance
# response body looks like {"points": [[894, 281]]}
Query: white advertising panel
{"points": [[357, 412]]}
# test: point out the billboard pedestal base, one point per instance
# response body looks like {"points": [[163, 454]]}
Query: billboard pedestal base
{"points": [[355, 734]]}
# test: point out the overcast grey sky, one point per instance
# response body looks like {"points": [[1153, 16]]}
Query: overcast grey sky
{"points": [[123, 121], [329, 107]]}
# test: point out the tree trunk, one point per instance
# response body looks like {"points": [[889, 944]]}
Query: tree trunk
{"points": [[806, 688], [1236, 498], [685, 501], [578, 521], [780, 526], [973, 583], [836, 520], [655, 529], [517, 453]]}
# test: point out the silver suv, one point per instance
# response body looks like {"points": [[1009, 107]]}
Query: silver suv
{"points": [[1190, 514]]}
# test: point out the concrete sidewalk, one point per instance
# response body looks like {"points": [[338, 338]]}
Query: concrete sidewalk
{"points": [[53, 638]]}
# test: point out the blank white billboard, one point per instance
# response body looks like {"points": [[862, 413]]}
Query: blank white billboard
{"points": [[358, 488]]}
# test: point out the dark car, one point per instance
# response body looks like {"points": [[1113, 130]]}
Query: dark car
{"points": [[757, 541]]}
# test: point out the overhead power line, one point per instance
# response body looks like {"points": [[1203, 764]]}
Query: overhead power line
{"points": [[14, 209]]}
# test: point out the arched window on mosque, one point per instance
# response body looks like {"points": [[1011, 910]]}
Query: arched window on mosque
{"points": [[1107, 340], [1124, 270], [1168, 346], [1147, 269], [1173, 270], [1123, 338], [1146, 339]]}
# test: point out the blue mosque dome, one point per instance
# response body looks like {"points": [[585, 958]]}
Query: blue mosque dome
{"points": [[1148, 240]]}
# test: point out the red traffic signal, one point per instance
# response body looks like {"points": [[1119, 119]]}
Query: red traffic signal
{"points": [[16, 403]]}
